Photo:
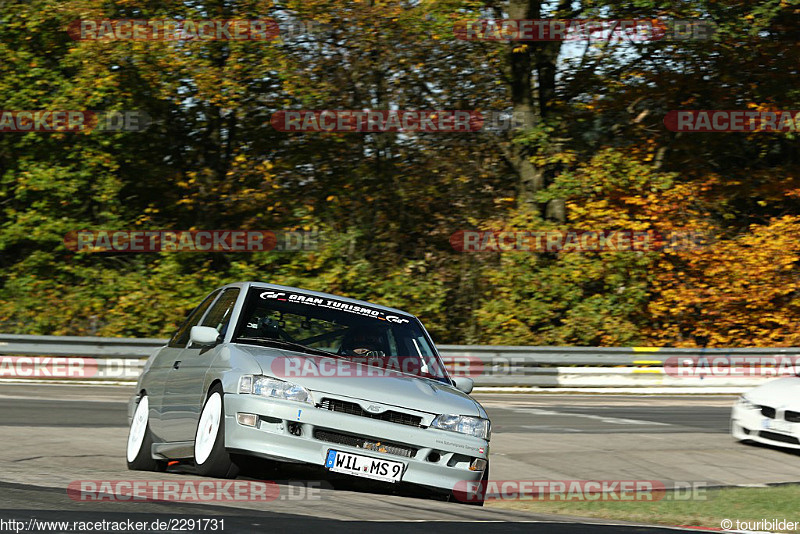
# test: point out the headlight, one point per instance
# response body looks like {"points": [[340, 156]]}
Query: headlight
{"points": [[464, 424], [746, 404], [266, 386]]}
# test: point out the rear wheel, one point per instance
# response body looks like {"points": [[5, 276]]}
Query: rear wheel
{"points": [[140, 440], [210, 456]]}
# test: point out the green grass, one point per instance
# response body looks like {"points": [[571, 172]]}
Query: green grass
{"points": [[744, 504]]}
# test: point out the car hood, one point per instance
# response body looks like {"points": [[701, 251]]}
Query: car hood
{"points": [[351, 380], [778, 393]]}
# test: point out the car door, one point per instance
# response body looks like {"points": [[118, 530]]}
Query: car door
{"points": [[184, 393], [162, 365]]}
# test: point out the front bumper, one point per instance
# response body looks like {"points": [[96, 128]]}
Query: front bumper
{"points": [[751, 424], [296, 432]]}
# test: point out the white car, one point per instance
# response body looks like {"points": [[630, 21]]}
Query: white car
{"points": [[769, 414], [260, 370]]}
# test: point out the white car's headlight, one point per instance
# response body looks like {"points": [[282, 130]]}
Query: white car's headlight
{"points": [[266, 386], [745, 403], [464, 424]]}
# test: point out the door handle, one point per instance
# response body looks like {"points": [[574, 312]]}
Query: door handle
{"points": [[176, 365]]}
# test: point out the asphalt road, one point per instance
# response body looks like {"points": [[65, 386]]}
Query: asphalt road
{"points": [[522, 417], [53, 435]]}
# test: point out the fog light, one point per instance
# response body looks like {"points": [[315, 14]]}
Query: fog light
{"points": [[247, 419], [477, 465]]}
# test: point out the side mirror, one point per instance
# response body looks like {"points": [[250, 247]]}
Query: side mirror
{"points": [[464, 383], [204, 336]]}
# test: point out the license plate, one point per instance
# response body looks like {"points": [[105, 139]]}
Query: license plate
{"points": [[778, 426], [364, 466]]}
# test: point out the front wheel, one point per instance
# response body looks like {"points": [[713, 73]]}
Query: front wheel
{"points": [[464, 497], [483, 485], [140, 440], [210, 456]]}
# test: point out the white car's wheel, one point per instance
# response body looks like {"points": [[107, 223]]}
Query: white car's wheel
{"points": [[462, 496], [140, 440], [210, 455], [208, 428]]}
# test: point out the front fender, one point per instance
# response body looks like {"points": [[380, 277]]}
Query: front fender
{"points": [[229, 365]]}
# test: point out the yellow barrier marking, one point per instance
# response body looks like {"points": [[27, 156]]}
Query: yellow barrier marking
{"points": [[646, 349]]}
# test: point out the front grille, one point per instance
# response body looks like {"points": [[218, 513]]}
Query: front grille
{"points": [[766, 411], [792, 417], [774, 436], [352, 408], [365, 443]]}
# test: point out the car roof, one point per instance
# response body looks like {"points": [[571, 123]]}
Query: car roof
{"points": [[265, 285]]}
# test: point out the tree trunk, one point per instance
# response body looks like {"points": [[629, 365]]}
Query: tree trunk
{"points": [[531, 104]]}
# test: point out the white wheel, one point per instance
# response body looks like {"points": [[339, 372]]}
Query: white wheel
{"points": [[208, 428], [138, 429], [210, 457], [140, 440]]}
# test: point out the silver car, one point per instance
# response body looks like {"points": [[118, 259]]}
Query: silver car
{"points": [[261, 370]]}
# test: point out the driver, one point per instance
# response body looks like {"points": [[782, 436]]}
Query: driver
{"points": [[363, 342]]}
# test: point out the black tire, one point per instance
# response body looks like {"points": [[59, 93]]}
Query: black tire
{"points": [[454, 497], [219, 463], [144, 461]]}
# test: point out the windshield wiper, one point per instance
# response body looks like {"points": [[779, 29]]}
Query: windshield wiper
{"points": [[286, 344]]}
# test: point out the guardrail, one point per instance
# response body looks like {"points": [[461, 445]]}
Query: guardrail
{"points": [[121, 359], [78, 346]]}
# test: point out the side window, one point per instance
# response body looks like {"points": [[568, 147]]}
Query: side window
{"points": [[181, 337], [220, 313]]}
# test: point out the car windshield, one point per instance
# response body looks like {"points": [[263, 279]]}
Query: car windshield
{"points": [[322, 325]]}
